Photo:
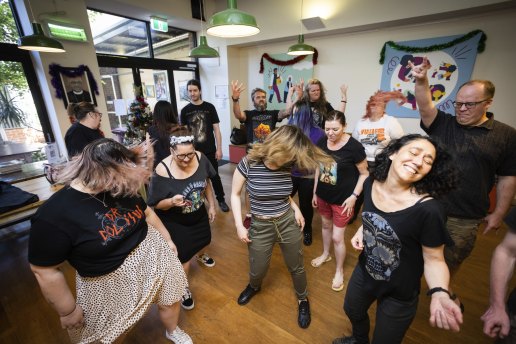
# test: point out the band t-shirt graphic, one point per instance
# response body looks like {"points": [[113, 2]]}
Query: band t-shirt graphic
{"points": [[200, 120], [98, 247], [260, 124]]}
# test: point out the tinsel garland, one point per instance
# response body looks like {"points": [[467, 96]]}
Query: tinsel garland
{"points": [[287, 62], [481, 45], [54, 69]]}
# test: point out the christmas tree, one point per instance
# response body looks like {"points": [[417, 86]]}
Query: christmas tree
{"points": [[138, 121]]}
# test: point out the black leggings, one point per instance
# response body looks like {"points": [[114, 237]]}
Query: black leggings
{"points": [[393, 316], [215, 181], [305, 189]]}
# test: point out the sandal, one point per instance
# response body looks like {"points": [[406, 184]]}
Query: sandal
{"points": [[337, 287], [317, 262]]}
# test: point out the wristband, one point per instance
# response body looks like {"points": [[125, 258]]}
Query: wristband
{"points": [[235, 100], [354, 194], [344, 101], [438, 289]]}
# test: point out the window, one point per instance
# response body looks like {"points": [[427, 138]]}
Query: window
{"points": [[8, 32], [116, 35]]}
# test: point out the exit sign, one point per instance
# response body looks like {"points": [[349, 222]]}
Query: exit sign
{"points": [[159, 24]]}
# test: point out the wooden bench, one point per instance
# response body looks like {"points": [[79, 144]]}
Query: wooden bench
{"points": [[39, 186]]}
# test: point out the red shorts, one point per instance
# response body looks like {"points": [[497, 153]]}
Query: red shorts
{"points": [[334, 212]]}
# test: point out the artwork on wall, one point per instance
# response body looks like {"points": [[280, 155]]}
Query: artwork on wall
{"points": [[73, 84], [161, 86], [279, 74], [452, 59]]}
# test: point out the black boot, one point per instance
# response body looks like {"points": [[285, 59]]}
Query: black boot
{"points": [[303, 317], [247, 295]]}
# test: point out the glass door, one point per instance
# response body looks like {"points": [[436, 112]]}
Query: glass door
{"points": [[181, 77]]}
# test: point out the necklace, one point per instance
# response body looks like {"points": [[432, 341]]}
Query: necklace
{"points": [[103, 199]]}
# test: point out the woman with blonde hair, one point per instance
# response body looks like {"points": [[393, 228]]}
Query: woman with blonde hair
{"points": [[124, 257], [266, 172], [178, 190]]}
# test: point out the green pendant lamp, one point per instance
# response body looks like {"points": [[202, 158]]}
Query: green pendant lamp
{"points": [[232, 23], [300, 48], [203, 50], [38, 41]]}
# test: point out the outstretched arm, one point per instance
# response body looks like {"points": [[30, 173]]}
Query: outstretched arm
{"points": [[505, 189], [444, 312], [427, 109], [236, 205], [496, 321], [236, 90], [288, 108], [343, 98]]}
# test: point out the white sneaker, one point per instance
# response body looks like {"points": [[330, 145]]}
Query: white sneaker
{"points": [[179, 336], [187, 301]]}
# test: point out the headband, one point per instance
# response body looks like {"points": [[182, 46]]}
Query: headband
{"points": [[176, 140]]}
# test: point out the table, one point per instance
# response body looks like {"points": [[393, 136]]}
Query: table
{"points": [[29, 171], [12, 151], [39, 186]]}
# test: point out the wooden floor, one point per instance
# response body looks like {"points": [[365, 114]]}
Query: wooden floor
{"points": [[271, 317]]}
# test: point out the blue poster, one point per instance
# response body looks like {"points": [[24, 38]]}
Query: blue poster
{"points": [[277, 79], [451, 67]]}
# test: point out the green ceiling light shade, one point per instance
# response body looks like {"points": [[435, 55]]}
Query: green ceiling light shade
{"points": [[203, 50], [300, 48], [232, 23], [39, 42]]}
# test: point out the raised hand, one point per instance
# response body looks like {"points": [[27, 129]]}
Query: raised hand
{"points": [[236, 89], [419, 71]]}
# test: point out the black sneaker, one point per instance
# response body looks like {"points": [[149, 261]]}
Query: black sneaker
{"points": [[247, 295], [303, 317], [348, 340], [187, 301], [223, 206]]}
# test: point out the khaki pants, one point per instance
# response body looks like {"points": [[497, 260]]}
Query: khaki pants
{"points": [[264, 234], [464, 234]]}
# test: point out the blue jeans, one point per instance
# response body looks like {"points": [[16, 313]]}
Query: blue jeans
{"points": [[393, 316]]}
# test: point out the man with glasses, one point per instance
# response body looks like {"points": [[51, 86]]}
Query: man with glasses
{"points": [[483, 149]]}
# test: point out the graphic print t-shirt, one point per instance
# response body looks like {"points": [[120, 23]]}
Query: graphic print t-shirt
{"points": [[375, 135], [393, 253], [200, 120], [95, 239], [192, 188], [260, 124]]}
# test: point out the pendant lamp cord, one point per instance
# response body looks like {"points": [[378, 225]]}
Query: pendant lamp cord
{"points": [[201, 6], [301, 17]]}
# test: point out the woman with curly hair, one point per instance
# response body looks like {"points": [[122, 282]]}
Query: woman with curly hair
{"points": [[124, 257], [402, 237], [266, 172]]}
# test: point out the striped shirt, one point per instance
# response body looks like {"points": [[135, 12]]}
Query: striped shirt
{"points": [[269, 190]]}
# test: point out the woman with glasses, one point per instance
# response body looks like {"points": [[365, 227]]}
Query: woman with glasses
{"points": [[179, 187], [85, 130]]}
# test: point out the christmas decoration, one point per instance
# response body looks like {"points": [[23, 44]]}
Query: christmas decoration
{"points": [[139, 120], [288, 62], [481, 45]]}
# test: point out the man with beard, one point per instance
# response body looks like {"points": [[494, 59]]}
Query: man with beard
{"points": [[202, 119], [259, 122]]}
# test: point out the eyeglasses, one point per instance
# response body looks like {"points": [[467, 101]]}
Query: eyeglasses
{"points": [[97, 113], [184, 156], [468, 105]]}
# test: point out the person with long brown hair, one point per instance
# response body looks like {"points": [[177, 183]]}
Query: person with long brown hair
{"points": [[178, 190], [266, 172], [164, 118], [124, 257]]}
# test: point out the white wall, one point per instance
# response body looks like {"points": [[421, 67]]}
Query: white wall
{"points": [[353, 59]]}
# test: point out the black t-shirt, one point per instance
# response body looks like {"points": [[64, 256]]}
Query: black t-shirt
{"points": [[161, 146], [480, 152], [77, 98], [79, 136], [95, 239], [200, 120], [392, 257], [259, 124], [337, 183], [318, 116]]}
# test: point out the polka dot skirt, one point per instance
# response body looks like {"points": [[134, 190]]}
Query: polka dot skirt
{"points": [[113, 303]]}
